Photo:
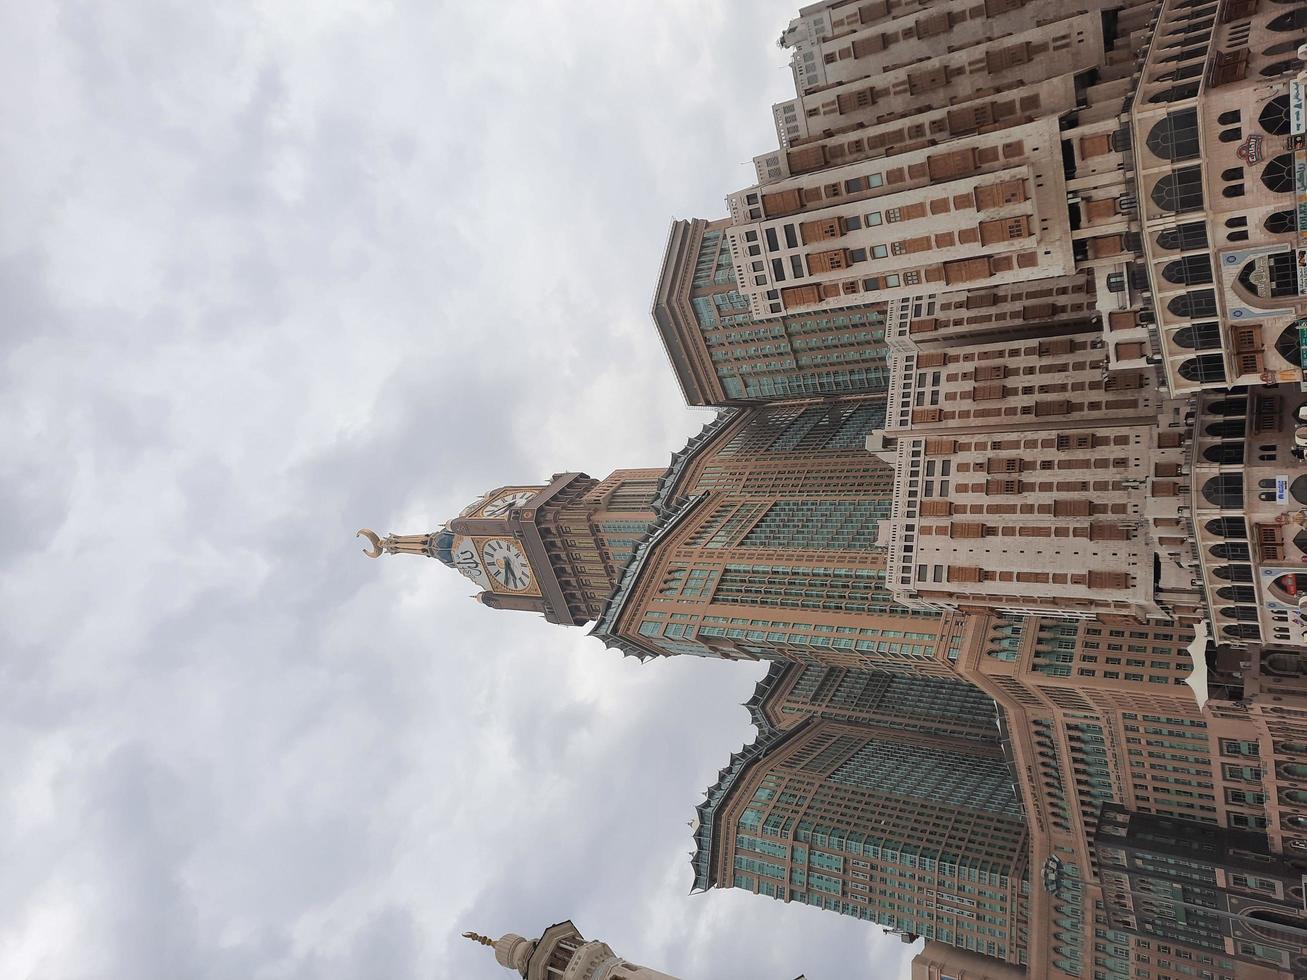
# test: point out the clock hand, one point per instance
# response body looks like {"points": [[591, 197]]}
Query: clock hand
{"points": [[510, 575]]}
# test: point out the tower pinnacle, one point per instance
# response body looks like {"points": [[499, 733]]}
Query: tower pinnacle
{"points": [[396, 544], [511, 950], [565, 953]]}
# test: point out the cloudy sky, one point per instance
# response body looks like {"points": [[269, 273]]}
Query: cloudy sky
{"points": [[272, 271]]}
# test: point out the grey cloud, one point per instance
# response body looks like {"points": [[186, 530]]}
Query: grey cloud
{"points": [[271, 275]]}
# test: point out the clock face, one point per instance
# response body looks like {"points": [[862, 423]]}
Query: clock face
{"points": [[468, 562], [502, 505], [506, 564], [474, 506]]}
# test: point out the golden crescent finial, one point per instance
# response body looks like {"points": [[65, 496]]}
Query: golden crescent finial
{"points": [[375, 551], [478, 938]]}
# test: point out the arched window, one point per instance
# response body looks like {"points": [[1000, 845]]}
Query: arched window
{"points": [[1225, 490], [1237, 593], [1203, 368], [1243, 631], [1234, 573], [1237, 236], [1231, 135], [1271, 276], [1176, 93], [1298, 489], [1228, 527], [1274, 117], [1180, 74], [1229, 406], [1228, 118], [1224, 453], [1287, 344], [1292, 584], [1294, 20], [1184, 237], [1199, 336], [1189, 270], [1232, 173], [1231, 551], [1180, 191], [1277, 175], [1240, 221], [1281, 222], [1200, 302], [1190, 26], [1175, 135], [1279, 67], [1232, 191], [1181, 53], [1286, 47], [1300, 541], [1240, 612], [1226, 429]]}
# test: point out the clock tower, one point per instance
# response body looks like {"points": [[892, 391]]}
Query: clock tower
{"points": [[556, 549]]}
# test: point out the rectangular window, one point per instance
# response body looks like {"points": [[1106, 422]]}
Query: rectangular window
{"points": [[782, 203], [967, 270], [1072, 508], [1010, 57], [830, 261], [1011, 464], [1004, 229], [800, 296], [818, 231], [1109, 580], [1001, 194], [948, 166]]}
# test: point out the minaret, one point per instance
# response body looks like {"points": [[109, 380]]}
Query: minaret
{"points": [[562, 953]]}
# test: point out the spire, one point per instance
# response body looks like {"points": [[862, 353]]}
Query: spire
{"points": [[511, 950], [397, 544]]}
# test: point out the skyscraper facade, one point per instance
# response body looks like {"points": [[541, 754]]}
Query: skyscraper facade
{"points": [[768, 547], [723, 356], [902, 823], [1206, 887]]}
